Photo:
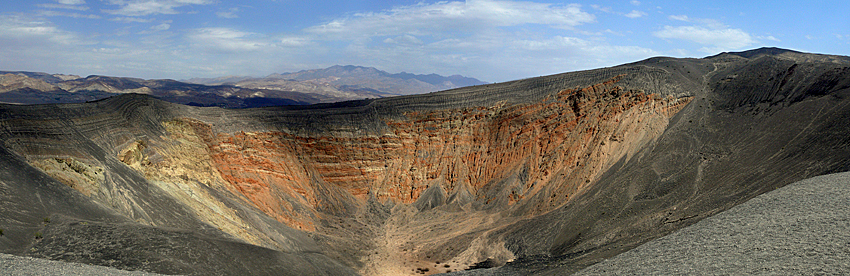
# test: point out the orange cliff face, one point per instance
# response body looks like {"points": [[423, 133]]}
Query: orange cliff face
{"points": [[560, 145]]}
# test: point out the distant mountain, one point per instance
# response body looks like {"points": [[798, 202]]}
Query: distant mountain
{"points": [[49, 78], [42, 88], [456, 80], [368, 77], [218, 81], [349, 81], [332, 84]]}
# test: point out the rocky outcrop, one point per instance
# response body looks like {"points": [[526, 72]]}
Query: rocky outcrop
{"points": [[78, 175], [577, 132]]}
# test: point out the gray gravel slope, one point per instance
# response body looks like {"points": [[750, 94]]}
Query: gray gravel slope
{"points": [[800, 229], [19, 266]]}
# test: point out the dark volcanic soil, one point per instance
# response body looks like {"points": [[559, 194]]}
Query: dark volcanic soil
{"points": [[799, 229]]}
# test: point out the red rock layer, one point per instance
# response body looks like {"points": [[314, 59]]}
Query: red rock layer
{"points": [[561, 144], [265, 170]]}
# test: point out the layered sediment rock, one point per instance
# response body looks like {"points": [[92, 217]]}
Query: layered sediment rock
{"points": [[576, 133]]}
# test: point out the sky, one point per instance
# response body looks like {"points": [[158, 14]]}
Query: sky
{"points": [[493, 41]]}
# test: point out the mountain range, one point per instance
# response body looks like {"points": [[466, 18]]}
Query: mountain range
{"points": [[333, 84], [539, 176], [347, 82]]}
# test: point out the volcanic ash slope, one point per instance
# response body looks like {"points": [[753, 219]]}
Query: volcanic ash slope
{"points": [[802, 228]]}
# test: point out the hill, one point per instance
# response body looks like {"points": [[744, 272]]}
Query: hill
{"points": [[540, 176], [348, 82], [338, 83], [42, 88]]}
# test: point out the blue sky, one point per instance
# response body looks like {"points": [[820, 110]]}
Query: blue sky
{"points": [[489, 40]]}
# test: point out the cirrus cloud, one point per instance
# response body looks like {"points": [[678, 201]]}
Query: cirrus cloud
{"points": [[72, 2], [151, 7], [714, 39], [226, 40], [229, 14], [18, 30], [441, 17], [635, 14]]}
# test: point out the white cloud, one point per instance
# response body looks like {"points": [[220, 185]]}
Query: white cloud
{"points": [[588, 49], [107, 50], [71, 2], [63, 6], [713, 35], [131, 19], [715, 39], [770, 37], [404, 40], [229, 14], [602, 8], [294, 41], [157, 28], [150, 7], [680, 18], [24, 31], [68, 14], [635, 2], [442, 17], [635, 14], [226, 40], [36, 44], [161, 27]]}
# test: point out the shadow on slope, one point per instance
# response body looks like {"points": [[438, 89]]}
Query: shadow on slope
{"points": [[45, 218]]}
